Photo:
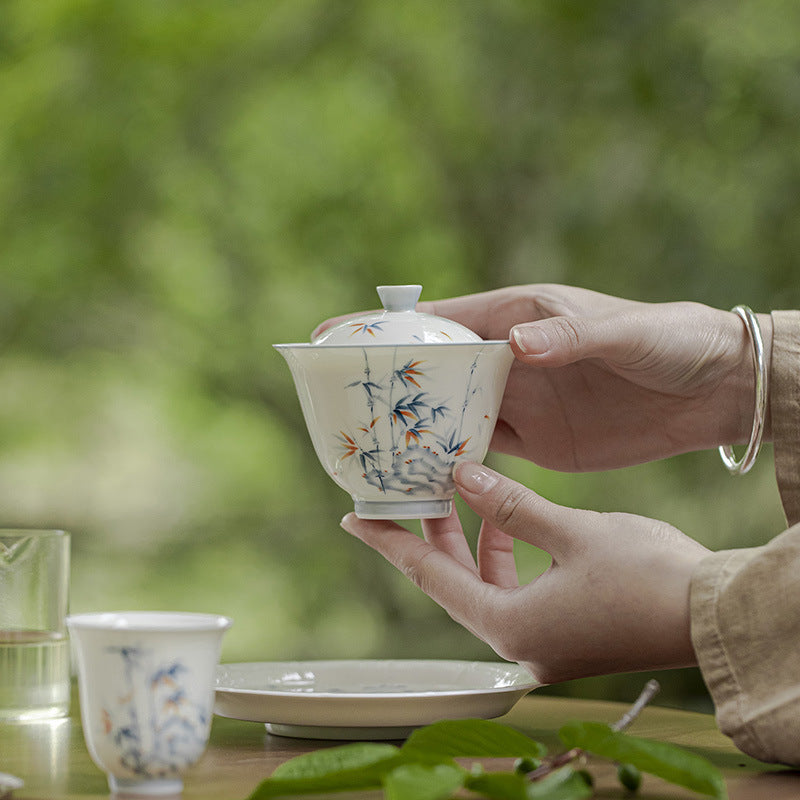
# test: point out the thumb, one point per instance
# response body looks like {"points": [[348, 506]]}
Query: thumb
{"points": [[557, 341], [518, 511]]}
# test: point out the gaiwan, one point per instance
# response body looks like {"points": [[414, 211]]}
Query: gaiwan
{"points": [[393, 400]]}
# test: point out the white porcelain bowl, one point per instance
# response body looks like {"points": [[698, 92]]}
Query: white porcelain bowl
{"points": [[390, 419]]}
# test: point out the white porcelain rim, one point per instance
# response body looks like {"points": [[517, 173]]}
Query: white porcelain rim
{"points": [[523, 681], [149, 621], [388, 346]]}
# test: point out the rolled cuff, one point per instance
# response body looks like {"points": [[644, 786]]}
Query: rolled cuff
{"points": [[784, 403], [746, 635]]}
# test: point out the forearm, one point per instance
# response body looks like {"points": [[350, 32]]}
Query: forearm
{"points": [[745, 392], [726, 417]]}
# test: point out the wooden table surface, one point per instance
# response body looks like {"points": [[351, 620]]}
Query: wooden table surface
{"points": [[52, 759]]}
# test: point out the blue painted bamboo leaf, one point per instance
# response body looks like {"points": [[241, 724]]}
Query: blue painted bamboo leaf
{"points": [[409, 373], [369, 387], [439, 411], [365, 327], [413, 405]]}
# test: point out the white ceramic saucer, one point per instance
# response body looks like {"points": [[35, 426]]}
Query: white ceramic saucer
{"points": [[371, 699]]}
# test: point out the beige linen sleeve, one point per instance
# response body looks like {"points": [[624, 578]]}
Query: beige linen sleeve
{"points": [[745, 604], [785, 408]]}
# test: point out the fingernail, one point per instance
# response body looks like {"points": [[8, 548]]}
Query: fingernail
{"points": [[530, 339], [475, 478], [347, 520]]}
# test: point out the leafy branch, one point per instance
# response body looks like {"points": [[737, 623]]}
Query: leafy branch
{"points": [[650, 690], [425, 767]]}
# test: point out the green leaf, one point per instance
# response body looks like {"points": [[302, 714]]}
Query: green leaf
{"points": [[470, 738], [417, 782], [349, 767], [335, 759], [499, 785], [667, 761], [563, 784]]}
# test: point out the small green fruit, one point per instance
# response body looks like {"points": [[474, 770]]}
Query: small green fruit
{"points": [[630, 777], [526, 764]]}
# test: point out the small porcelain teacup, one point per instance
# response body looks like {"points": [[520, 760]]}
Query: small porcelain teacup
{"points": [[146, 686]]}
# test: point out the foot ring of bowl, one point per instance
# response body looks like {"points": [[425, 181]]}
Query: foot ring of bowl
{"points": [[406, 509]]}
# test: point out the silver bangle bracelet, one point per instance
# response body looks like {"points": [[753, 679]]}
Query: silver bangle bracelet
{"points": [[744, 464]]}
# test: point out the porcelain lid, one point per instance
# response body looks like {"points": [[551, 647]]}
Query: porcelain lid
{"points": [[398, 323]]}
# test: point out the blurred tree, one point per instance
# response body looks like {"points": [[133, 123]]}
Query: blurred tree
{"points": [[182, 185]]}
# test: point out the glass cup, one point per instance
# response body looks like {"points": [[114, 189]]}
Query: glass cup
{"points": [[34, 648], [146, 686]]}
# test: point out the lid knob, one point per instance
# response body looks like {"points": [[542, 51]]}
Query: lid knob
{"points": [[400, 298]]}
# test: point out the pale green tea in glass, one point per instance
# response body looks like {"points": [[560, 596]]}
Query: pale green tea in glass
{"points": [[34, 648]]}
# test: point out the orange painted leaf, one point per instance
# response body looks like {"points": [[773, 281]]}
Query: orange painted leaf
{"points": [[463, 444]]}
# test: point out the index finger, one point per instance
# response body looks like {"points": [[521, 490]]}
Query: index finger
{"points": [[519, 511], [447, 536], [490, 314]]}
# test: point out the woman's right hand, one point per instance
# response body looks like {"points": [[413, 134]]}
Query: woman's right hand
{"points": [[601, 382], [616, 597]]}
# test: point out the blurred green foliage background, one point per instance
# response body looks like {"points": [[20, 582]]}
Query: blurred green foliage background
{"points": [[183, 184]]}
